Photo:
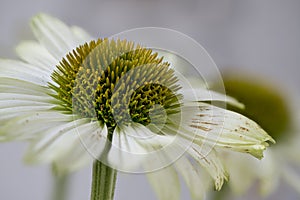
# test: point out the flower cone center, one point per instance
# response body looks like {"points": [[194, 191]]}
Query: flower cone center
{"points": [[115, 82]]}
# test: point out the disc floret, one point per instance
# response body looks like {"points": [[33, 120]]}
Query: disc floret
{"points": [[115, 82]]}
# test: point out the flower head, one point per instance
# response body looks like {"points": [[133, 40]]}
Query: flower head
{"points": [[76, 99]]}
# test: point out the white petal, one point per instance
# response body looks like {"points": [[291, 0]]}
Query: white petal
{"points": [[24, 97], [167, 146], [225, 129], [7, 131], [21, 71], [58, 141], [201, 94], [12, 112], [37, 55], [89, 145], [54, 35], [66, 146], [210, 161], [94, 140], [149, 139], [19, 103], [16, 86], [134, 145], [126, 153], [165, 183], [194, 178], [32, 124]]}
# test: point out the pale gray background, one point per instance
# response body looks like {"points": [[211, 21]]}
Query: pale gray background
{"points": [[260, 36]]}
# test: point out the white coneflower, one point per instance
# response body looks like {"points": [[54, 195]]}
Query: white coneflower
{"points": [[76, 100], [273, 110]]}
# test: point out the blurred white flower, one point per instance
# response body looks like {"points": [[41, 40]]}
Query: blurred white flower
{"points": [[279, 116], [76, 99]]}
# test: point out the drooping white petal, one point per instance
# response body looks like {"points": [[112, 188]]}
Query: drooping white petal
{"points": [[37, 55], [224, 129], [54, 35], [208, 159], [202, 94], [22, 71], [165, 183], [196, 180]]}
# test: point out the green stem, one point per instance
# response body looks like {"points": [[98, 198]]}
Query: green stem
{"points": [[104, 181], [60, 189], [104, 178]]}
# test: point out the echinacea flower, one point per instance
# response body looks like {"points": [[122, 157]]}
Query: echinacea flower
{"points": [[275, 111], [76, 100]]}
